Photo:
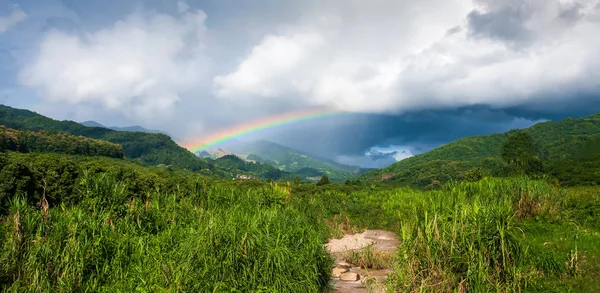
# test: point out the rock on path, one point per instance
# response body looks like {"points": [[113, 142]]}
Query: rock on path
{"points": [[348, 278]]}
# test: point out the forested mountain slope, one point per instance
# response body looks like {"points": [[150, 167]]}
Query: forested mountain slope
{"points": [[236, 167], [63, 143], [148, 148], [559, 145], [294, 161]]}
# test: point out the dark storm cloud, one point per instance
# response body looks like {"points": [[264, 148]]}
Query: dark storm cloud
{"points": [[571, 12], [417, 131], [503, 22]]}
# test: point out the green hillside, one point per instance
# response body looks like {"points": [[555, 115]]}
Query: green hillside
{"points": [[46, 142], [147, 148], [135, 128], [73, 219], [296, 162], [559, 144], [235, 167]]}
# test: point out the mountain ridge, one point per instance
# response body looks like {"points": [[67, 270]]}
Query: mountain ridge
{"points": [[294, 161], [133, 128], [147, 148], [561, 140]]}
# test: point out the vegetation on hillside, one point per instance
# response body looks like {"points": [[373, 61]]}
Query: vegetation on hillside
{"points": [[48, 142], [147, 148], [236, 166], [491, 235], [75, 216], [32, 175], [77, 223], [296, 162], [564, 150], [216, 237]]}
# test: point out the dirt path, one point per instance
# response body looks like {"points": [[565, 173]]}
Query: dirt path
{"points": [[349, 278]]}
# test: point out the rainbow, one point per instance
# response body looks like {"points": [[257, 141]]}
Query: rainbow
{"points": [[258, 126]]}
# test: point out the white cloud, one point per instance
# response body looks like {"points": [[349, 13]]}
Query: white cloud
{"points": [[377, 157], [6, 22], [264, 72], [408, 55], [139, 65]]}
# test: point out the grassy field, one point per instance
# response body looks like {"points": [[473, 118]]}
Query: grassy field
{"points": [[221, 238], [494, 235]]}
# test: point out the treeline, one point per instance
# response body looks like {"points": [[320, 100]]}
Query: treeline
{"points": [[147, 148], [58, 177], [235, 165], [565, 152], [127, 229], [583, 168], [53, 142]]}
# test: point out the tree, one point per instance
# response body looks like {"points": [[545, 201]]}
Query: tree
{"points": [[323, 181], [297, 180], [475, 174], [519, 152]]}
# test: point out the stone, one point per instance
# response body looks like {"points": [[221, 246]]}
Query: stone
{"points": [[344, 265], [338, 271], [349, 277]]}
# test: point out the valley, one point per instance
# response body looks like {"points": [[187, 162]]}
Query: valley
{"points": [[93, 209], [264, 146]]}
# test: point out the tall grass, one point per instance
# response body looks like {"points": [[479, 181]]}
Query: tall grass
{"points": [[467, 238], [485, 236], [222, 238]]}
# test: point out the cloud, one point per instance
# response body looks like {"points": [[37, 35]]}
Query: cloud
{"points": [[397, 56], [505, 22], [182, 7], [139, 65], [6, 22], [414, 132], [416, 73], [377, 157]]}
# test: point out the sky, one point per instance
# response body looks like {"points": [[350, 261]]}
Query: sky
{"points": [[412, 74]]}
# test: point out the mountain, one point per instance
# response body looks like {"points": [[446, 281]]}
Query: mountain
{"points": [[213, 153], [147, 148], [135, 128], [92, 124], [237, 168], [295, 162], [560, 144], [61, 143]]}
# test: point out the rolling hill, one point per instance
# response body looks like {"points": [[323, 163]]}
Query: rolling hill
{"points": [[61, 143], [135, 128], [295, 162], [568, 140], [147, 148], [237, 168]]}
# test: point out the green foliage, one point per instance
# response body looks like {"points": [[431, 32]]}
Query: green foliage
{"points": [[323, 181], [113, 225], [221, 237], [147, 148], [551, 147], [484, 236], [475, 174], [520, 152], [57, 176], [48, 142], [296, 162], [297, 180], [583, 168], [235, 165]]}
